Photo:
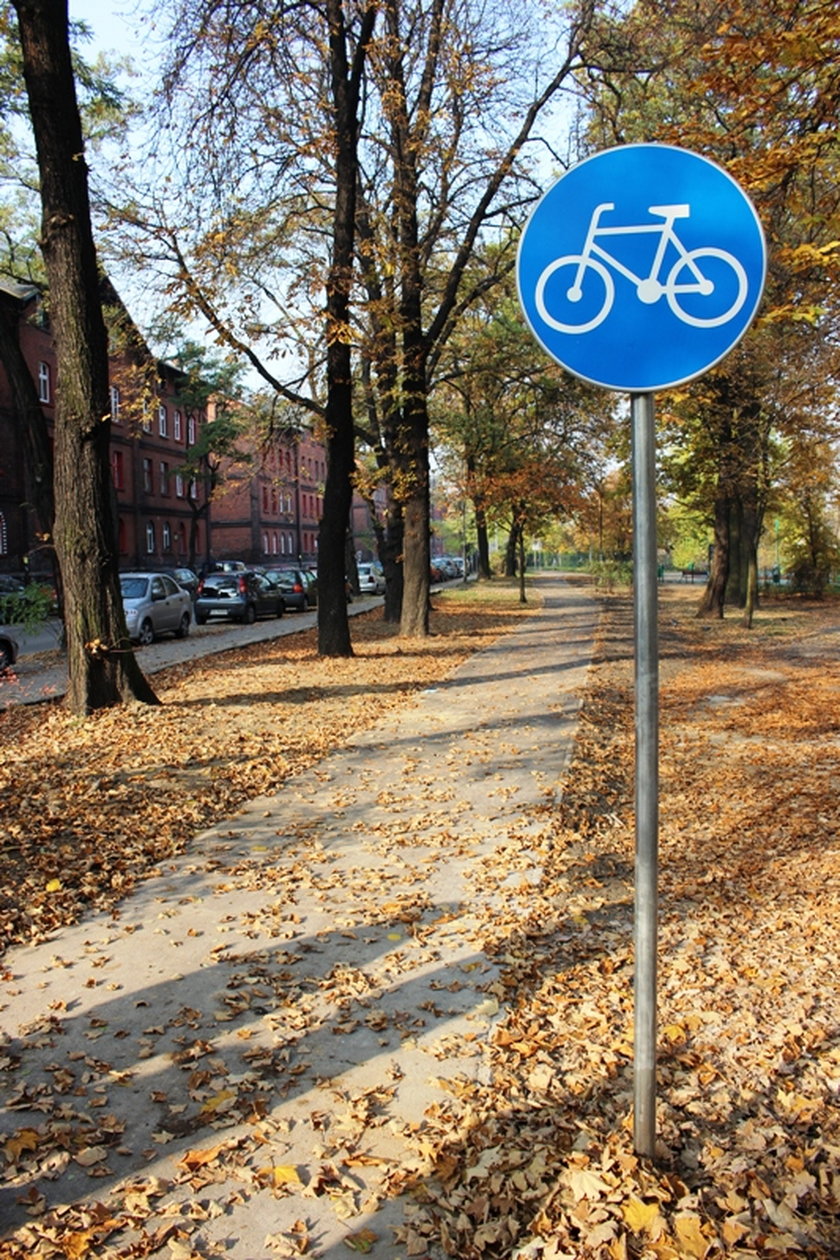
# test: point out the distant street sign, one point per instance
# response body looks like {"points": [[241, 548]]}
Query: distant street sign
{"points": [[641, 267]]}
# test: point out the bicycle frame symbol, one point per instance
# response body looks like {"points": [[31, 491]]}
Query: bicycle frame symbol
{"points": [[686, 276]]}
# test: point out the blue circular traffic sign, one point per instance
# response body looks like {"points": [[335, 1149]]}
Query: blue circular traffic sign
{"points": [[641, 267]]}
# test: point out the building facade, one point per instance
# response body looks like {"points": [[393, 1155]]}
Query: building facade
{"points": [[264, 509]]}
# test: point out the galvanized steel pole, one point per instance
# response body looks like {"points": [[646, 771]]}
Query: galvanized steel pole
{"points": [[647, 769]]}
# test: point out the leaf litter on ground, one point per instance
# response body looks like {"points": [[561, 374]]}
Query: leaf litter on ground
{"points": [[534, 1160]]}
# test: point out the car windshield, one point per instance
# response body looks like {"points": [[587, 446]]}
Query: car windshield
{"points": [[133, 587]]}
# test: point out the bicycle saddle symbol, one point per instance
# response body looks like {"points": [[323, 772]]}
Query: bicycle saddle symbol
{"points": [[704, 287]]}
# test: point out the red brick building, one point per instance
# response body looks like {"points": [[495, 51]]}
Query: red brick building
{"points": [[265, 510]]}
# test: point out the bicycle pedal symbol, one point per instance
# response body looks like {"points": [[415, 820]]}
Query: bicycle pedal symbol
{"points": [[705, 287]]}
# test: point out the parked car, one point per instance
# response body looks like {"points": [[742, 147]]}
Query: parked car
{"points": [[8, 649], [154, 604], [239, 596], [296, 585], [227, 566], [371, 579], [183, 576]]}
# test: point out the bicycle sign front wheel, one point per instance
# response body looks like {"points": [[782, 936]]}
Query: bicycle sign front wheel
{"points": [[706, 288], [574, 294]]}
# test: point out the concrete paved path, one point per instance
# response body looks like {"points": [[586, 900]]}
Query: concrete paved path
{"points": [[247, 1052]]}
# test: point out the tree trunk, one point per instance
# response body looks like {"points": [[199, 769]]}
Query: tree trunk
{"points": [[390, 547], [482, 543], [523, 598], [751, 602], [712, 601], [414, 620], [333, 624], [510, 553], [102, 669]]}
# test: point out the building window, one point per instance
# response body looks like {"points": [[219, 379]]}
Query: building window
{"points": [[265, 543], [194, 491], [115, 405], [147, 476], [265, 499], [163, 421], [167, 536], [4, 535], [179, 486], [150, 538], [117, 470], [176, 425], [274, 543], [44, 383], [146, 422], [164, 478], [191, 431]]}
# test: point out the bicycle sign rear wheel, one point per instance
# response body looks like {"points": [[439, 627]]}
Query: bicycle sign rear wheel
{"points": [[701, 282], [569, 307]]}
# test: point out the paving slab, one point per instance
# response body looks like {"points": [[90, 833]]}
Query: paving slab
{"points": [[241, 1061]]}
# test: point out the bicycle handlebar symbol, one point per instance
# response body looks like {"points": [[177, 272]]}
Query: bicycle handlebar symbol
{"points": [[689, 276]]}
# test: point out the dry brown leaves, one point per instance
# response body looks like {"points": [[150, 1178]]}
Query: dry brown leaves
{"points": [[749, 1006], [90, 807], [536, 1163]]}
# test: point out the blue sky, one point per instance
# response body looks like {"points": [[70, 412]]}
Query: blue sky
{"points": [[118, 27]]}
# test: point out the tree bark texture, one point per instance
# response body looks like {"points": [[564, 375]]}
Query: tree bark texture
{"points": [[333, 625], [389, 539], [102, 669]]}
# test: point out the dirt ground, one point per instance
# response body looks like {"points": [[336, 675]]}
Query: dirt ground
{"points": [[537, 1163]]}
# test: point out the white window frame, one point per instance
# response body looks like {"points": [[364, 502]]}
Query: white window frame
{"points": [[150, 538], [44, 382], [176, 425], [163, 420], [116, 401]]}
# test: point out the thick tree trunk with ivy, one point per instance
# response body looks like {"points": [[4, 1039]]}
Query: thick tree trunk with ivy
{"points": [[101, 665]]}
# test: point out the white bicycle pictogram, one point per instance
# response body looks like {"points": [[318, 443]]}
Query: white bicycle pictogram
{"points": [[686, 276]]}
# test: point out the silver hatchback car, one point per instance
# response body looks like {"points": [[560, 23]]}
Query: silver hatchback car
{"points": [[154, 604]]}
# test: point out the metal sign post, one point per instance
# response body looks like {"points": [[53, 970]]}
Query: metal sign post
{"points": [[639, 270], [647, 769]]}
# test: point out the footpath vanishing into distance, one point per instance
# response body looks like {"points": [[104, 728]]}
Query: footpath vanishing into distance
{"points": [[245, 1056]]}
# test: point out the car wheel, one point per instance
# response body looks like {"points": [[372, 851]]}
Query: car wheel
{"points": [[146, 633], [5, 658], [281, 608], [184, 628], [250, 615]]}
